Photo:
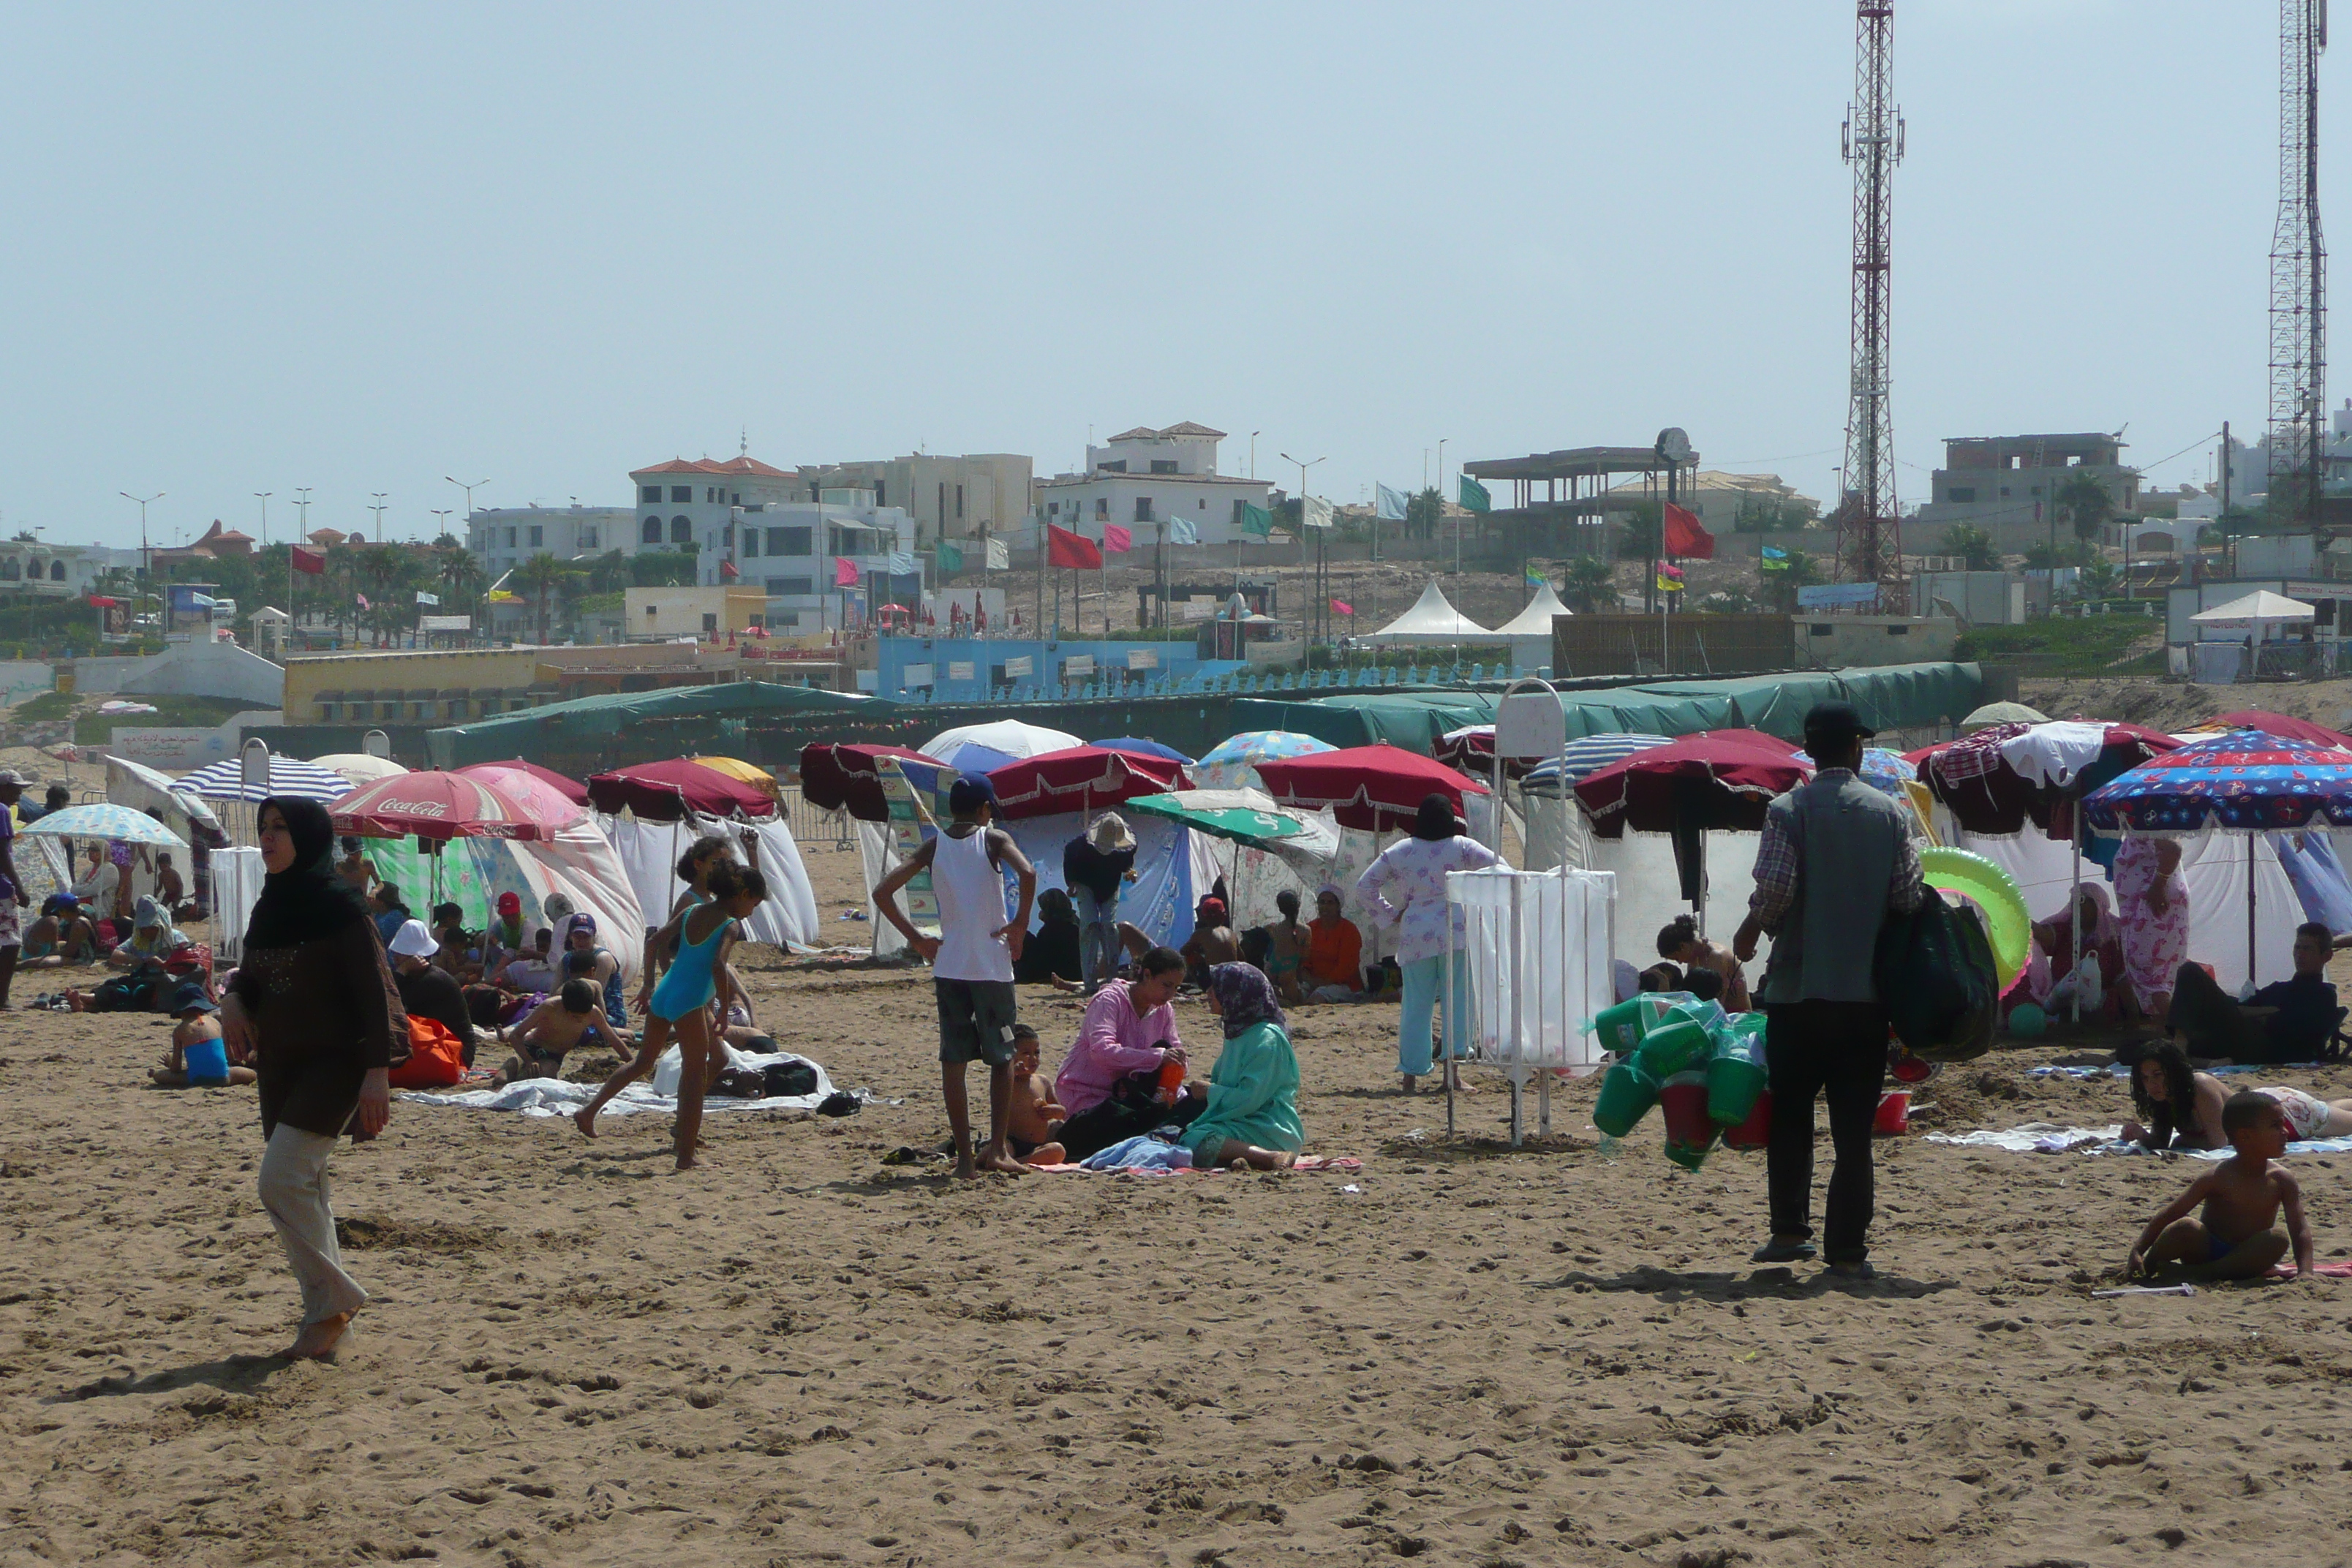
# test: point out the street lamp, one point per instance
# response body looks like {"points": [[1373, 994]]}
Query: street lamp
{"points": [[1303, 466], [146, 560], [469, 490], [263, 497], [1457, 523], [443, 513], [1252, 466], [376, 507]]}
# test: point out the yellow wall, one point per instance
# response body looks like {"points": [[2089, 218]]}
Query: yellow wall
{"points": [[472, 670]]}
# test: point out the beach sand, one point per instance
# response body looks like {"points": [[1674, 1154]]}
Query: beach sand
{"points": [[801, 1353]]}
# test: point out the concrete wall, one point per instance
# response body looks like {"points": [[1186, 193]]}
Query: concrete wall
{"points": [[666, 612], [1980, 598], [1849, 642], [162, 747], [211, 669]]}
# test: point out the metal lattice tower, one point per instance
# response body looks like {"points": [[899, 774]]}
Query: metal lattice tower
{"points": [[1870, 539], [2298, 272]]}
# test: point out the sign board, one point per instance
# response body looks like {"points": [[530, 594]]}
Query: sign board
{"points": [[1143, 659], [254, 768], [1076, 665], [1530, 725], [918, 675], [1197, 609], [960, 669], [1014, 669], [1837, 595], [439, 623], [159, 747]]}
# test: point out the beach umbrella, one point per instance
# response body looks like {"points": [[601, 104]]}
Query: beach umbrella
{"points": [[570, 789], [358, 766], [1997, 780], [1714, 779], [837, 775], [435, 805], [1141, 748], [543, 801], [1886, 772], [224, 780], [1080, 778], [666, 791], [2244, 782], [976, 748], [1366, 787], [1993, 713], [1232, 763], [2285, 726], [1251, 817], [1582, 757], [137, 785], [104, 819], [758, 778]]}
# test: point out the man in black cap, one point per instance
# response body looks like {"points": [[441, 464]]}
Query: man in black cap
{"points": [[1837, 857]]}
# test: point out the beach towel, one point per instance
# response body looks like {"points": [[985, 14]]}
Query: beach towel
{"points": [[548, 1097], [2056, 1138], [1307, 1162]]}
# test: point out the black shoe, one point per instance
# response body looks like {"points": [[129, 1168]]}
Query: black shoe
{"points": [[1859, 1268], [1783, 1252]]}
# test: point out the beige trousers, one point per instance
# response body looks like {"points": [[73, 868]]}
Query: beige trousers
{"points": [[294, 1191]]}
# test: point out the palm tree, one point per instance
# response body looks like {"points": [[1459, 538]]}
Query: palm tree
{"points": [[540, 576], [2087, 503], [460, 574], [1590, 579], [1972, 545]]}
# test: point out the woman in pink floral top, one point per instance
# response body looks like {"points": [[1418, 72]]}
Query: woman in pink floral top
{"points": [[2152, 896], [1406, 888]]}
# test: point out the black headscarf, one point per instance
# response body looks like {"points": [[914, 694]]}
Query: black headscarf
{"points": [[1435, 820], [307, 900]]}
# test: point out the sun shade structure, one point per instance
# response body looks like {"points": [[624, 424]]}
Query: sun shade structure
{"points": [[2285, 726], [1717, 778], [1141, 748], [570, 789], [2257, 610], [977, 748], [1080, 778], [1247, 817], [666, 791], [1997, 780], [758, 778], [1534, 621], [2244, 782], [435, 806], [102, 819], [1433, 619], [836, 776], [1232, 763], [546, 805], [1366, 787], [1993, 713], [224, 780]]}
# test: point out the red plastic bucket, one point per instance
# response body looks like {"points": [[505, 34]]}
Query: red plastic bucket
{"points": [[1690, 1131], [1894, 1114], [1753, 1133]]}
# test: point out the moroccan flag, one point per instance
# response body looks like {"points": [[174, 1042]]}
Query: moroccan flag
{"points": [[948, 558], [727, 571], [1117, 540], [1256, 519], [1064, 548], [1472, 495], [844, 572], [1341, 607], [313, 561], [1684, 537]]}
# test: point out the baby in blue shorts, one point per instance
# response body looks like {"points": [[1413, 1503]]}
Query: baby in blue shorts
{"points": [[199, 1057]]}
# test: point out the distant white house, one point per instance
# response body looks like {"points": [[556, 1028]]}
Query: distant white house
{"points": [[1142, 480]]}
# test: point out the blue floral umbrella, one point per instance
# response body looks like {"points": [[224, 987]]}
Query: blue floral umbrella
{"points": [[2247, 781], [103, 820]]}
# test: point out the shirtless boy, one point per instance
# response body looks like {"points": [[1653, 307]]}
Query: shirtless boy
{"points": [[2239, 1236], [572, 1018], [198, 1058], [1034, 1117]]}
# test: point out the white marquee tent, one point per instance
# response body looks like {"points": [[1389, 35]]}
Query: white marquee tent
{"points": [[1433, 620]]}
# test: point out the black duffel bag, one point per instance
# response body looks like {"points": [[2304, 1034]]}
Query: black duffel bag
{"points": [[1934, 971]]}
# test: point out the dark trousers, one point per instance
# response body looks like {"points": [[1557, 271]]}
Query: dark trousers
{"points": [[2212, 1023], [1092, 1131], [1836, 1049]]}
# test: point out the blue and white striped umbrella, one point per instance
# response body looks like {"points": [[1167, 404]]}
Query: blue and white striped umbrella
{"points": [[1588, 755], [224, 780], [102, 819]]}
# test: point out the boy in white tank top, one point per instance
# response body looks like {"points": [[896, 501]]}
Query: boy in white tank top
{"points": [[971, 959]]}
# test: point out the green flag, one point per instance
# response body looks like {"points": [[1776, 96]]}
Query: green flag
{"points": [[1473, 496], [948, 559], [1256, 519]]}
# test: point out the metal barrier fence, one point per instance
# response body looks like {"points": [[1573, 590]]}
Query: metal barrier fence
{"points": [[813, 826]]}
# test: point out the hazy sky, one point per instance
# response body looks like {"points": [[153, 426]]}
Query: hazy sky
{"points": [[255, 248]]}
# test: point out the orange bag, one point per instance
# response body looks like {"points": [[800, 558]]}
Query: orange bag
{"points": [[436, 1057]]}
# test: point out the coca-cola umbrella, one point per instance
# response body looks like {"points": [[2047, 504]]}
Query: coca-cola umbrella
{"points": [[1714, 779], [570, 789], [835, 775], [435, 805], [667, 792], [1371, 788], [1080, 778]]}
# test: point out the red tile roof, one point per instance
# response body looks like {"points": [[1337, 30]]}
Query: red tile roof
{"points": [[736, 466]]}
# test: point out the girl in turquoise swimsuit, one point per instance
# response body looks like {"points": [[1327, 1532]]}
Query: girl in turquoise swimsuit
{"points": [[705, 933]]}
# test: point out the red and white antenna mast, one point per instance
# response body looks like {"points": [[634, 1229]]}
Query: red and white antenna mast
{"points": [[2298, 274], [1870, 537]]}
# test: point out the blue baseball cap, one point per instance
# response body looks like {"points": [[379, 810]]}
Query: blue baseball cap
{"points": [[969, 793]]}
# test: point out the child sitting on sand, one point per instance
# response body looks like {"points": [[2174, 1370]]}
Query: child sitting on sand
{"points": [[572, 1018], [199, 1057], [1034, 1118], [2237, 1236]]}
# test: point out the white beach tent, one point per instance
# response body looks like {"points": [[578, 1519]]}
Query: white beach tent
{"points": [[1530, 629], [1433, 620], [2257, 612]]}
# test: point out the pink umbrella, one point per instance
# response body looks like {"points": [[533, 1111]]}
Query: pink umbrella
{"points": [[538, 798], [1368, 787], [663, 792], [1080, 778], [435, 805], [570, 789]]}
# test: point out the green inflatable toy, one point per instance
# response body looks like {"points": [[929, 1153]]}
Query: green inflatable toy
{"points": [[1994, 891]]}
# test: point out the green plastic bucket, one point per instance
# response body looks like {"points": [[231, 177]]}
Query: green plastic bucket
{"points": [[1627, 1093]]}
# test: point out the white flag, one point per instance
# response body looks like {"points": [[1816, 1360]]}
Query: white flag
{"points": [[1000, 555], [1183, 531], [1392, 504], [424, 598], [1316, 512], [902, 563]]}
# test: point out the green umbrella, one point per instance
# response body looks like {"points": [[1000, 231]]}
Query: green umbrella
{"points": [[1244, 816]]}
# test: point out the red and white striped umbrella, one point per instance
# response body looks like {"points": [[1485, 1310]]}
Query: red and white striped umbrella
{"points": [[435, 805]]}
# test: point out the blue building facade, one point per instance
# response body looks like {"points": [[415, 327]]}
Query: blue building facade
{"points": [[968, 668]]}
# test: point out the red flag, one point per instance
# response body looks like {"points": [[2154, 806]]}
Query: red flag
{"points": [[1684, 537], [364, 604], [99, 601], [314, 562], [1064, 548], [1117, 540], [844, 572], [727, 571], [1342, 606]]}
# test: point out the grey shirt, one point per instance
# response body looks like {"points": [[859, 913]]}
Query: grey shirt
{"points": [[1836, 857]]}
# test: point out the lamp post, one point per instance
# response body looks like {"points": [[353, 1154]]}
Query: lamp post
{"points": [[1457, 524], [146, 556], [1318, 617], [469, 490], [263, 497], [443, 513], [376, 508]]}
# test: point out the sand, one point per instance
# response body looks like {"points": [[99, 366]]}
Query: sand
{"points": [[802, 1353]]}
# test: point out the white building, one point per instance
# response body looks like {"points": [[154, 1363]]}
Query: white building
{"points": [[690, 499], [791, 549], [502, 538], [983, 494], [56, 571], [1143, 479]]}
